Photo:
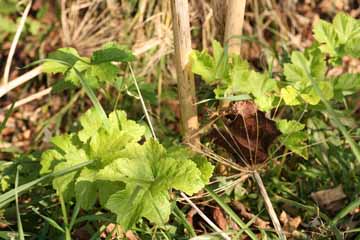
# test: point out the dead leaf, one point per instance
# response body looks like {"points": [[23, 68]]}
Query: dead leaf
{"points": [[244, 212], [290, 224], [247, 134], [220, 218], [330, 199]]}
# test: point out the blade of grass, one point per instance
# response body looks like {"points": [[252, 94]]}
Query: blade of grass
{"points": [[10, 195], [178, 213], [7, 115], [74, 214], [231, 213], [345, 211], [50, 221], [18, 218]]}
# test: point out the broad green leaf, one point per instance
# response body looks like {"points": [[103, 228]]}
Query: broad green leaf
{"points": [[265, 103], [346, 27], [91, 121], [348, 83], [290, 96], [112, 52], [67, 55], [128, 205], [108, 144], [289, 126], [7, 25], [86, 189], [151, 172], [108, 188], [204, 65], [296, 142], [158, 209], [293, 136], [326, 35], [313, 98], [104, 72]]}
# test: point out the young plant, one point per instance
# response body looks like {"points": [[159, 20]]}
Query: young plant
{"points": [[129, 174]]}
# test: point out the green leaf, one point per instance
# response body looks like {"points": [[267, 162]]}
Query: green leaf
{"points": [[86, 189], [151, 172], [112, 52], [326, 35], [293, 137], [289, 126], [104, 72], [128, 205], [347, 27], [296, 143], [91, 121], [108, 144], [67, 55], [204, 65], [347, 83], [290, 96]]}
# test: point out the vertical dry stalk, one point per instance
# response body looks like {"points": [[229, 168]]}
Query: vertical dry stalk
{"points": [[185, 79], [234, 24], [269, 207], [219, 11], [14, 43]]}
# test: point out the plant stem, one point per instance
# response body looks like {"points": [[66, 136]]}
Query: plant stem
{"points": [[66, 221], [269, 206]]}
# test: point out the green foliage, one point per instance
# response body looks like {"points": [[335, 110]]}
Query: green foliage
{"points": [[233, 76], [143, 173], [97, 70], [304, 75], [293, 137], [339, 38]]}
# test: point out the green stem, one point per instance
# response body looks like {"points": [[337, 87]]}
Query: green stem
{"points": [[231, 213], [184, 221], [66, 221]]}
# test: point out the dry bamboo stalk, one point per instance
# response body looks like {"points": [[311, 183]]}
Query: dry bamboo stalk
{"points": [[185, 79], [269, 207], [234, 24], [14, 43], [219, 11]]}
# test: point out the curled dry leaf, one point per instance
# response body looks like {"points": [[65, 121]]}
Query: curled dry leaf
{"points": [[247, 133]]}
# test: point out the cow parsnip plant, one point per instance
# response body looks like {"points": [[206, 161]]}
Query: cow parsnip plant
{"points": [[234, 78], [131, 179]]}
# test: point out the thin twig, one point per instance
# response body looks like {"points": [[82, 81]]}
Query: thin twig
{"points": [[206, 219], [30, 98], [5, 79], [269, 206], [20, 80], [143, 103]]}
